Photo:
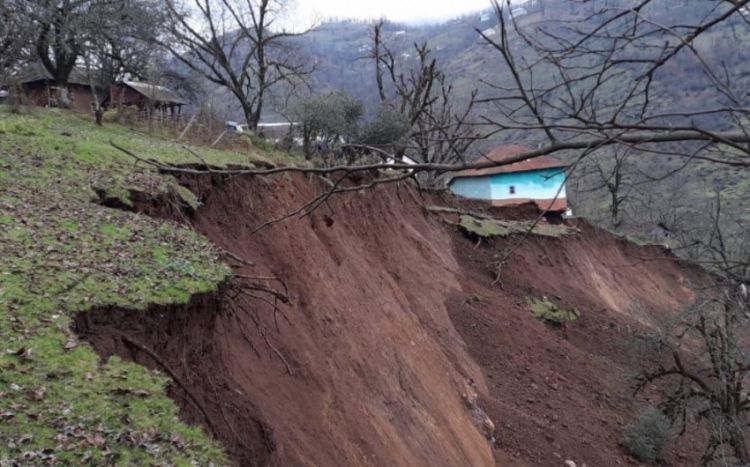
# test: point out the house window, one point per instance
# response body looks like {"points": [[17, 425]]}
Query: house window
{"points": [[512, 189]]}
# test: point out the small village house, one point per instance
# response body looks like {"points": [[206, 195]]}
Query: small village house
{"points": [[540, 180], [272, 131], [150, 98], [276, 131], [39, 88]]}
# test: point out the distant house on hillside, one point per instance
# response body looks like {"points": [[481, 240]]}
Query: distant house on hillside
{"points": [[146, 97], [40, 88], [276, 131], [268, 130], [540, 180]]}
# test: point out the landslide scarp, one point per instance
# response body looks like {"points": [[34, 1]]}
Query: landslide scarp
{"points": [[395, 347]]}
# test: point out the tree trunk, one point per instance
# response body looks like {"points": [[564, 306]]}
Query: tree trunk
{"points": [[306, 136], [615, 210], [251, 117], [64, 61], [738, 442], [63, 96]]}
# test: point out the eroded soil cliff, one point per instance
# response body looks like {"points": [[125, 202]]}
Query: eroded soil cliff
{"points": [[395, 346]]}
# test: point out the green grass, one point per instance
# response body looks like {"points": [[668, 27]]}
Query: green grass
{"points": [[60, 254], [547, 311]]}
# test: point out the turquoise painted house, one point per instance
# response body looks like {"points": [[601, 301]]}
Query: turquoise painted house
{"points": [[540, 180]]}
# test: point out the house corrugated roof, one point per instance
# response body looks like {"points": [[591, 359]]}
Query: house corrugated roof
{"points": [[505, 151], [37, 72], [155, 92]]}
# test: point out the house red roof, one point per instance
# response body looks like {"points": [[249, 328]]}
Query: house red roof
{"points": [[505, 151]]}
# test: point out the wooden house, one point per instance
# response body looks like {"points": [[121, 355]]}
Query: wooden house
{"points": [[39, 88], [147, 97]]}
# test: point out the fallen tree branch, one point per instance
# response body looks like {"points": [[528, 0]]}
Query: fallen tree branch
{"points": [[278, 354], [237, 258], [558, 146]]}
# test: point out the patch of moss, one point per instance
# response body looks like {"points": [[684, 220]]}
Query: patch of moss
{"points": [[187, 197], [118, 193], [642, 241], [487, 228], [484, 228], [546, 310]]}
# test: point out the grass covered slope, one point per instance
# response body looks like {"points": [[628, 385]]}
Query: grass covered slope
{"points": [[62, 253]]}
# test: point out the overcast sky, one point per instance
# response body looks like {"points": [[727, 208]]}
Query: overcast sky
{"points": [[396, 10]]}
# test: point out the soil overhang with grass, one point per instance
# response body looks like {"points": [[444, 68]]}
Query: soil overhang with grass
{"points": [[62, 252]]}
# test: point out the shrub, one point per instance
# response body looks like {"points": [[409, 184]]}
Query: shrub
{"points": [[110, 116], [259, 142], [545, 310], [127, 115], [389, 127], [647, 436]]}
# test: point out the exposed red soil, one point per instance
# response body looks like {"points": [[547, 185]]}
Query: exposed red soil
{"points": [[182, 336], [565, 393], [394, 326]]}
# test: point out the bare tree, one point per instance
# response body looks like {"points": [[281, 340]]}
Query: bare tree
{"points": [[704, 371], [602, 74], [422, 94], [715, 239], [12, 37], [107, 32], [122, 38], [118, 42], [235, 44], [704, 376], [58, 42], [97, 104], [611, 174]]}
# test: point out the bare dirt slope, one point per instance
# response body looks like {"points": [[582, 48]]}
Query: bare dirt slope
{"points": [[395, 343], [565, 393]]}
